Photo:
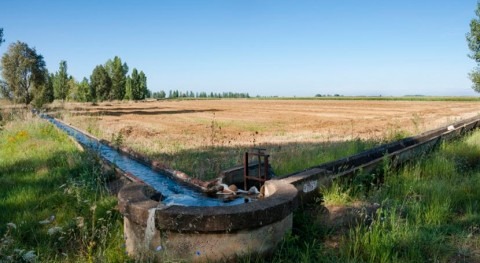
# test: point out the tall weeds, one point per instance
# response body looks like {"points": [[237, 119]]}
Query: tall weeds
{"points": [[54, 203], [429, 211]]}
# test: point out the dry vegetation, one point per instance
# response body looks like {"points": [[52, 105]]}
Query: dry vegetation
{"points": [[427, 211], [172, 130], [188, 122]]}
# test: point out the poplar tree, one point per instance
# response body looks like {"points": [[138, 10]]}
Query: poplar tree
{"points": [[84, 90], [118, 74], [47, 91], [135, 86], [101, 84], [142, 82], [128, 89], [61, 82]]}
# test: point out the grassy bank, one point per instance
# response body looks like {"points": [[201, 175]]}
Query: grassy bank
{"points": [[53, 200], [55, 207], [428, 211], [208, 162]]}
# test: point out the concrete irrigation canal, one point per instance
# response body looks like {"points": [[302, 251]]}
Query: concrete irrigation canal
{"points": [[168, 215]]}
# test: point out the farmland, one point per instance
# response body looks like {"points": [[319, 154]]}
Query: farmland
{"points": [[202, 137], [425, 211]]}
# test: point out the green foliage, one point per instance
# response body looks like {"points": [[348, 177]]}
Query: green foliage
{"points": [[337, 194], [92, 92], [73, 87], [285, 157], [46, 93], [425, 214], [10, 254], [61, 82], [117, 140], [473, 40], [142, 82], [395, 134], [429, 212], [473, 37], [107, 82], [189, 94], [84, 91], [475, 78], [5, 91], [79, 91], [55, 207], [117, 73], [159, 95], [101, 83], [135, 85], [24, 73], [128, 89]]}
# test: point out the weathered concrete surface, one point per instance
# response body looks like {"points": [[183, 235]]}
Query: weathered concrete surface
{"points": [[203, 247], [207, 247], [279, 202], [205, 233], [308, 182]]}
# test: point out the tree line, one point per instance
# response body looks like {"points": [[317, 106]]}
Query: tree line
{"points": [[27, 80], [173, 94]]}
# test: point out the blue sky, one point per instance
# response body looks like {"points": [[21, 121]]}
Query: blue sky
{"points": [[264, 47]]}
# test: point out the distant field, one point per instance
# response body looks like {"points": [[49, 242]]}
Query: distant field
{"points": [[404, 98], [187, 124], [197, 136]]}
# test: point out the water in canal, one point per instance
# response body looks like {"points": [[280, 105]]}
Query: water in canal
{"points": [[173, 192]]}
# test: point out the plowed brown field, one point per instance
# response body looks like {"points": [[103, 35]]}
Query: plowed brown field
{"points": [[193, 123]]}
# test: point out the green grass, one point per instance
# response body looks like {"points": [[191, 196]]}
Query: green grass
{"points": [[429, 212], [53, 201], [429, 208], [286, 158]]}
